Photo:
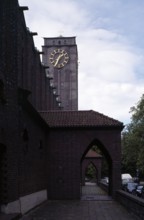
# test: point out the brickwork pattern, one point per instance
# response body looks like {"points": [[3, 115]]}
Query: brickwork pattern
{"points": [[65, 153], [22, 165]]}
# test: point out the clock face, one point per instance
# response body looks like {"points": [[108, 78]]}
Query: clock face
{"points": [[59, 58]]}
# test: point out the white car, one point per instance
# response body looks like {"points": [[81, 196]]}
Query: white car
{"points": [[126, 177]]}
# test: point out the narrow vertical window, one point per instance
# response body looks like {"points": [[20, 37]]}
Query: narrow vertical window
{"points": [[2, 97]]}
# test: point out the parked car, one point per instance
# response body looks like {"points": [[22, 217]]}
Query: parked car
{"points": [[139, 190], [126, 177], [105, 180], [130, 187], [142, 194]]}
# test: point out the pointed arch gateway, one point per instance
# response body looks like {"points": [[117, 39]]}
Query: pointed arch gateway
{"points": [[93, 159], [71, 135], [96, 153]]}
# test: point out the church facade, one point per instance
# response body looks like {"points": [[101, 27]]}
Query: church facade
{"points": [[42, 145]]}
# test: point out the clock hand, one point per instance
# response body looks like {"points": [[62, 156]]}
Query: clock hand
{"points": [[58, 58]]}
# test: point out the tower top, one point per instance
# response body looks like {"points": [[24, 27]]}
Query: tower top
{"points": [[59, 41]]}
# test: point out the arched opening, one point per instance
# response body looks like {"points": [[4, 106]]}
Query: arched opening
{"points": [[96, 165]]}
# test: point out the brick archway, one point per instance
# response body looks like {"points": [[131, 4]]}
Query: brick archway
{"points": [[91, 158], [106, 151], [71, 135]]}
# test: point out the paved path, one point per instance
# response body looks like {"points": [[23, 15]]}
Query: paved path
{"points": [[92, 192], [92, 189], [85, 209], [80, 210]]}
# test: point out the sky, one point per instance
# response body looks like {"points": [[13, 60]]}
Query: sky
{"points": [[110, 40]]}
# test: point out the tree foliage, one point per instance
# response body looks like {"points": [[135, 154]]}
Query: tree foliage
{"points": [[91, 171], [133, 141]]}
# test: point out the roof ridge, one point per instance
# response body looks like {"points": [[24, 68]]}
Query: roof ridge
{"points": [[78, 111], [106, 116], [81, 118]]}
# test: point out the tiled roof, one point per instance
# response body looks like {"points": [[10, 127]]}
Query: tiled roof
{"points": [[92, 153], [78, 119]]}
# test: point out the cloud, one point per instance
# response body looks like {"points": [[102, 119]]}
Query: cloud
{"points": [[111, 72], [108, 56], [108, 77]]}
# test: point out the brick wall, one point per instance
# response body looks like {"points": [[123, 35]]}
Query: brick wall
{"points": [[66, 150], [23, 163], [9, 109], [32, 157], [132, 203], [31, 72]]}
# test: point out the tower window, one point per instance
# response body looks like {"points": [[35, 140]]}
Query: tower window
{"points": [[25, 135], [40, 145], [59, 42], [2, 97]]}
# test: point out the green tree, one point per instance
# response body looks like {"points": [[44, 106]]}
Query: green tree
{"points": [[133, 141], [91, 171]]}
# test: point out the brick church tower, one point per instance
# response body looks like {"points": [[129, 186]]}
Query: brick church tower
{"points": [[60, 54]]}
